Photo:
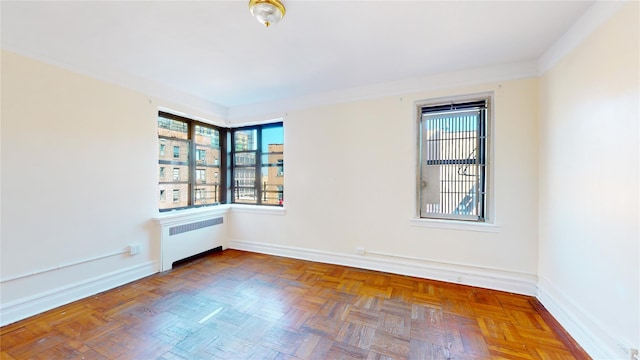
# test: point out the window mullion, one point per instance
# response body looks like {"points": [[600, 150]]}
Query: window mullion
{"points": [[232, 166], [258, 155], [192, 163], [223, 167]]}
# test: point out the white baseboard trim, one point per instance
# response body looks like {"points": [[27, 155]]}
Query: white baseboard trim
{"points": [[596, 341], [38, 303], [513, 282]]}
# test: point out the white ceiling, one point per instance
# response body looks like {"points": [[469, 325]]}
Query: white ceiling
{"points": [[215, 50]]}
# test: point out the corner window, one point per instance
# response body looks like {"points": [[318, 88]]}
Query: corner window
{"points": [[202, 164], [193, 143], [258, 164], [453, 159]]}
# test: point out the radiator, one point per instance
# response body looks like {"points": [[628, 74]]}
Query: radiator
{"points": [[187, 238]]}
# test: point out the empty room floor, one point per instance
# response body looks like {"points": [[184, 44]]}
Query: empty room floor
{"points": [[242, 305]]}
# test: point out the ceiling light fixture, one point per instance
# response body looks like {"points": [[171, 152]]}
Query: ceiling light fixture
{"points": [[267, 12]]}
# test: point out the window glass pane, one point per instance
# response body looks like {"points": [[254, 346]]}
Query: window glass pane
{"points": [[207, 175], [169, 192], [273, 165], [173, 150], [207, 194], [172, 128], [242, 159], [452, 170], [272, 172], [207, 136], [246, 140], [245, 185], [272, 185], [273, 160], [272, 136], [206, 155], [175, 173]]}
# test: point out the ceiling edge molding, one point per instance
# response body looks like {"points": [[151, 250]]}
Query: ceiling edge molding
{"points": [[483, 75], [163, 93], [591, 20]]}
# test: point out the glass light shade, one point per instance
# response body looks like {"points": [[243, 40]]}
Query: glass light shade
{"points": [[267, 12]]}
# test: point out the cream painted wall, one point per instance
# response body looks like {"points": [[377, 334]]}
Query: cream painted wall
{"points": [[64, 137], [350, 182], [76, 172], [589, 165], [79, 184]]}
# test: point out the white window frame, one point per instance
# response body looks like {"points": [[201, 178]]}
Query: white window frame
{"points": [[486, 224]]}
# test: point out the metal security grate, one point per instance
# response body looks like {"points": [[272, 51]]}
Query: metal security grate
{"points": [[453, 161], [175, 230]]}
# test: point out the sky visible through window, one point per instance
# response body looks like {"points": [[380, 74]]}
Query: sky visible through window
{"points": [[273, 135]]}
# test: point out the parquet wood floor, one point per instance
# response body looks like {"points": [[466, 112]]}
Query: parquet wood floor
{"points": [[242, 305]]}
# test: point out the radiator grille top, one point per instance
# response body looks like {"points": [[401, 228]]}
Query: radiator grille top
{"points": [[175, 230]]}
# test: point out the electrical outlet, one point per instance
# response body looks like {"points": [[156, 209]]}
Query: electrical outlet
{"points": [[134, 249]]}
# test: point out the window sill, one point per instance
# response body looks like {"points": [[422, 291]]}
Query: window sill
{"points": [[455, 225], [258, 209], [177, 216]]}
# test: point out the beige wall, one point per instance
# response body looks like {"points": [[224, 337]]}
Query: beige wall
{"points": [[351, 170], [77, 180], [79, 184], [589, 236]]}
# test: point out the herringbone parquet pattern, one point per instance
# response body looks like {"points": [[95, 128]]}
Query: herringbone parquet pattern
{"points": [[241, 305]]}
